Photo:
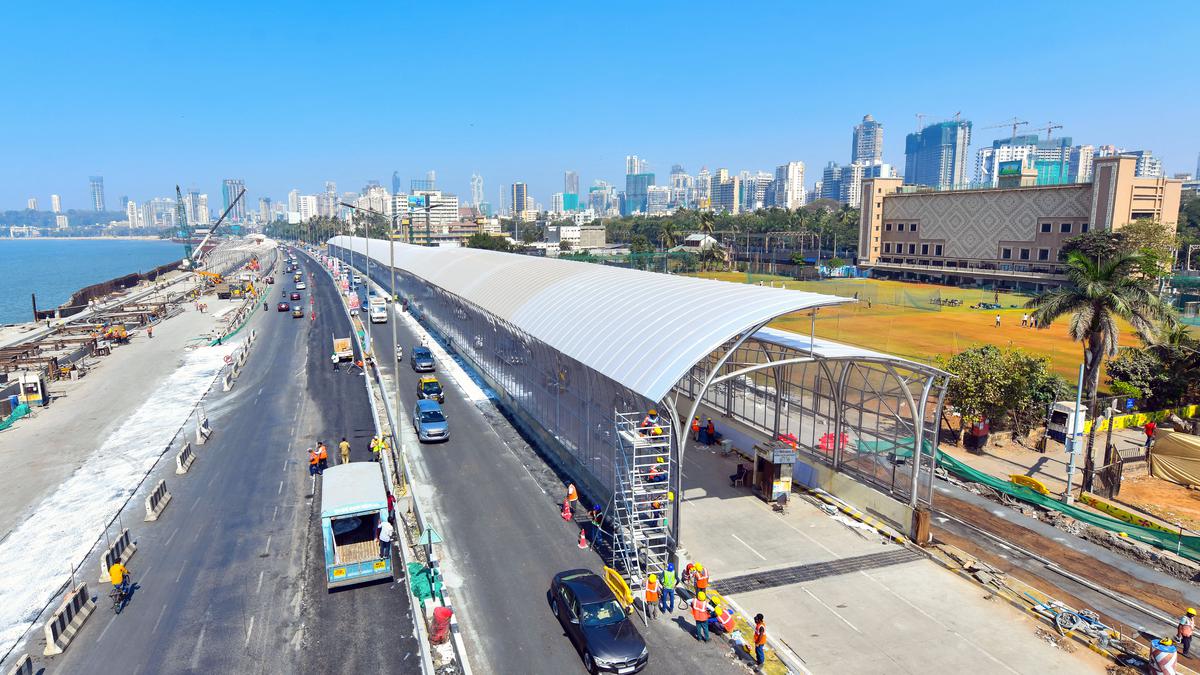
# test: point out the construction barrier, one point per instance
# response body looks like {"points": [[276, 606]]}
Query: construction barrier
{"points": [[227, 382], [120, 551], [183, 461], [66, 621], [24, 666], [157, 500], [1135, 420], [203, 431], [616, 583]]}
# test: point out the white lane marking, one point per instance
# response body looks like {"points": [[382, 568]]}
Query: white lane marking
{"points": [[280, 490], [195, 504], [274, 514], [180, 575], [267, 550], [259, 392], [146, 572], [199, 643], [106, 627], [249, 630], [172, 536], [260, 580], [831, 610], [934, 619], [285, 464], [748, 546], [159, 619]]}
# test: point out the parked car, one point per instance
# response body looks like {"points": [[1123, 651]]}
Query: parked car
{"points": [[429, 387], [422, 360], [596, 623], [295, 296], [298, 312], [430, 421], [283, 307]]}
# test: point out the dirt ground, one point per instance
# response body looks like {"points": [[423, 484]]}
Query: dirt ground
{"points": [[1172, 502]]}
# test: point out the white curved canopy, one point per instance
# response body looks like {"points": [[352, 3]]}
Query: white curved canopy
{"points": [[642, 329]]}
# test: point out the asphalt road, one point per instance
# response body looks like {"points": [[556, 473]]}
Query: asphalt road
{"points": [[230, 578], [498, 502]]}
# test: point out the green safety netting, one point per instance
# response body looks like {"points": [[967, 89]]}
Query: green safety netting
{"points": [[421, 582], [1188, 545], [17, 413]]}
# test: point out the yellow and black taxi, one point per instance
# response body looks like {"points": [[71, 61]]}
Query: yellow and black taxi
{"points": [[429, 387]]}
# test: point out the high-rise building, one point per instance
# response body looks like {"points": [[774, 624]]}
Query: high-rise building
{"points": [[602, 198], [293, 200], [570, 191], [31, 204], [1079, 163], [1148, 166], [395, 182], [60, 222], [55, 204], [556, 203], [937, 155], [634, 165], [987, 160], [831, 181], [307, 207], [868, 142], [264, 209], [637, 187], [850, 187], [658, 199], [97, 183], [755, 187], [726, 192], [476, 190], [683, 188], [197, 208], [703, 197], [132, 214], [230, 189], [789, 185], [520, 195]]}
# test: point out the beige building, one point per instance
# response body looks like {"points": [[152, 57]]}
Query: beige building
{"points": [[1013, 235]]}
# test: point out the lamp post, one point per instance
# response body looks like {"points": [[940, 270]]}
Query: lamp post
{"points": [[392, 300]]}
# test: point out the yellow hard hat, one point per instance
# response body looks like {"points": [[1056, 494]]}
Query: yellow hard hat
{"points": [[700, 596], [653, 411], [657, 431], [653, 577], [660, 460], [699, 567], [1191, 611], [1166, 642]]}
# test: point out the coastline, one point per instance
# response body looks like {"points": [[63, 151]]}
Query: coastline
{"points": [[132, 238]]}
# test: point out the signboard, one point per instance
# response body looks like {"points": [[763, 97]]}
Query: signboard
{"points": [[784, 456], [416, 201], [780, 487], [1011, 168]]}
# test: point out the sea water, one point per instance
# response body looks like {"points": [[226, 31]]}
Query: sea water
{"points": [[56, 268]]}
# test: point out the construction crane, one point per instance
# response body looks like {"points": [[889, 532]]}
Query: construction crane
{"points": [[196, 260], [1050, 127], [185, 232], [1014, 123]]}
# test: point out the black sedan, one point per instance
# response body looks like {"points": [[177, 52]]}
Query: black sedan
{"points": [[283, 307], [596, 623]]}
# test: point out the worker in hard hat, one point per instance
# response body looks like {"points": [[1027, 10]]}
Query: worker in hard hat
{"points": [[700, 578], [699, 606], [1187, 624], [650, 421], [666, 602], [651, 598], [657, 471], [722, 620]]}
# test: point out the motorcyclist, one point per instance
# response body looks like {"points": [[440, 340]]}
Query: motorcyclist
{"points": [[264, 306]]}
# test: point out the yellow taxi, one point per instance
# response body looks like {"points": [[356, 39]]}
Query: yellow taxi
{"points": [[429, 387]]}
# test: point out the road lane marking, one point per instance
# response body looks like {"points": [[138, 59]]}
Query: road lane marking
{"points": [[274, 514], [199, 643], [172, 536], [195, 503], [106, 627], [259, 392], [180, 575], [831, 610], [267, 550], [748, 546], [249, 630], [146, 572], [160, 616], [260, 579], [280, 490]]}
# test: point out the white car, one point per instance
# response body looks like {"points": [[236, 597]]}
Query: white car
{"points": [[357, 279], [300, 286]]}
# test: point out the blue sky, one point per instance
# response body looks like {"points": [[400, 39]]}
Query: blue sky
{"points": [[292, 94]]}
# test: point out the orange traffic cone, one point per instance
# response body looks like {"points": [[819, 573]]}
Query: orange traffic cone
{"points": [[566, 510], [582, 539], [572, 495]]}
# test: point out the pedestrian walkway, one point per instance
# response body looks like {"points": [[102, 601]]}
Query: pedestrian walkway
{"points": [[843, 598]]}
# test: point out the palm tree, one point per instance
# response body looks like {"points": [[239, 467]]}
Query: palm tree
{"points": [[667, 233], [1096, 294], [708, 223]]}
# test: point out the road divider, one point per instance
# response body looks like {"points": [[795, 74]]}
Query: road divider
{"points": [[120, 551], [183, 460], [66, 621], [203, 430], [157, 500], [23, 666], [227, 381]]}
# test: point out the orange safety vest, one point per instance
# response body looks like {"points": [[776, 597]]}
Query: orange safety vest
{"points": [[652, 591], [760, 635], [654, 472], [699, 610], [702, 580], [323, 454], [726, 620], [695, 425], [313, 458], [1186, 625]]}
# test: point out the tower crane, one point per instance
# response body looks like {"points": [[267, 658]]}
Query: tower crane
{"points": [[1050, 127], [192, 255], [1014, 123]]}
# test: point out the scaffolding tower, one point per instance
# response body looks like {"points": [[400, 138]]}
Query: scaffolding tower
{"points": [[641, 502]]}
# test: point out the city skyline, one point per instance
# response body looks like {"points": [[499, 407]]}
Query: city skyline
{"points": [[144, 150]]}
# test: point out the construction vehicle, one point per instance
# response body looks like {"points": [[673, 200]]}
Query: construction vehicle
{"points": [[342, 348], [213, 277]]}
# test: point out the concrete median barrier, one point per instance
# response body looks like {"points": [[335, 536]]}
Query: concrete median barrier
{"points": [[66, 621], [183, 460], [157, 500], [23, 666], [121, 550], [203, 431], [227, 381]]}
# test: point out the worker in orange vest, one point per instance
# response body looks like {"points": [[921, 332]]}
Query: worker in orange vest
{"points": [[723, 620], [322, 457], [699, 606], [701, 578], [1186, 625], [696, 429], [651, 599], [760, 639], [314, 462]]}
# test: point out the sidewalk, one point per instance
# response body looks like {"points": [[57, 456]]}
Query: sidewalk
{"points": [[843, 598]]}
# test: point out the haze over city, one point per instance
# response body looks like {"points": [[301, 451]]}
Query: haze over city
{"points": [[290, 96]]}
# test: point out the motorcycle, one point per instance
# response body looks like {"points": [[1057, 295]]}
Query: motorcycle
{"points": [[264, 306]]}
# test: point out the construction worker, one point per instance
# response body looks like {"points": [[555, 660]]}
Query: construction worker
{"points": [[344, 449], [651, 599], [650, 421], [701, 578], [667, 602], [656, 474], [760, 640], [696, 429], [725, 620], [1187, 624], [375, 448], [314, 462], [322, 457], [710, 433], [699, 605], [596, 515], [1163, 656]]}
